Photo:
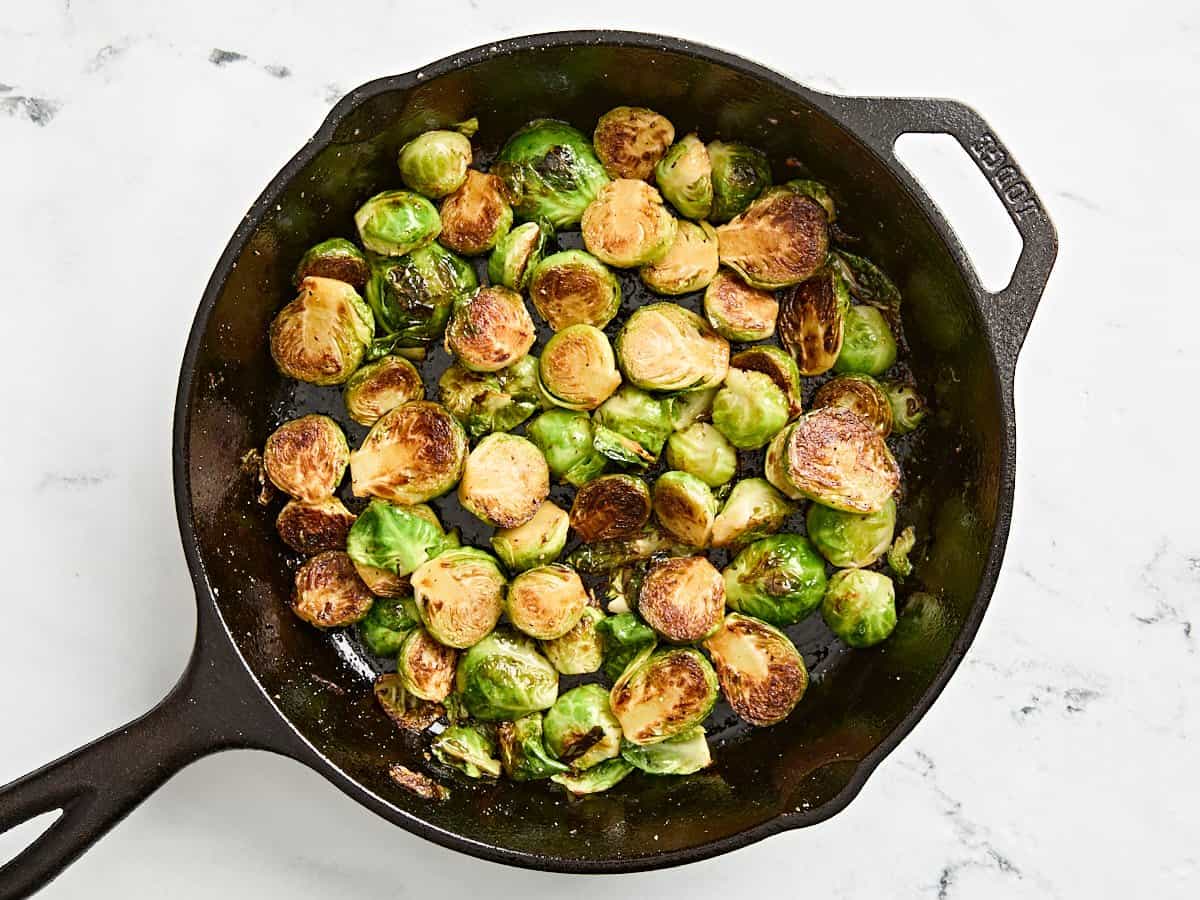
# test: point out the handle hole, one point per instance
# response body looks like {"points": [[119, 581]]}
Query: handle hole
{"points": [[17, 838], [943, 168]]}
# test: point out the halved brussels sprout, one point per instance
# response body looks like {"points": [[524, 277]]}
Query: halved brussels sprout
{"points": [[321, 337], [552, 170], [779, 579], [685, 508], [517, 254], [546, 602], [610, 507], [381, 386], [630, 140], [572, 287], [412, 296], [624, 637], [835, 457], [850, 540], [577, 369], [580, 729], [306, 457], [435, 163], [393, 223], [690, 407], [388, 624], [779, 367], [494, 401], [812, 320], [908, 406], [737, 311], [425, 666], [469, 749], [739, 174], [523, 752], [681, 755], [761, 672], [581, 650], [335, 258], [329, 593], [310, 526], [460, 595], [702, 451], [627, 225], [536, 543], [664, 347], [476, 216], [407, 712], [490, 329], [685, 178], [868, 346], [860, 607], [599, 778], [505, 481], [750, 409], [660, 695], [565, 438], [897, 554], [414, 453], [604, 556], [397, 539], [631, 426], [781, 239], [816, 191], [752, 510], [682, 598], [504, 677], [689, 265], [861, 394]]}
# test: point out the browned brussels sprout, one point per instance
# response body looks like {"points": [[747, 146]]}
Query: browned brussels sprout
{"points": [[628, 225], [760, 671], [335, 258], [321, 337], [630, 140], [779, 241], [685, 507], [381, 386], [689, 265], [460, 596], [664, 347], [685, 177], [490, 330], [306, 457], [536, 543], [682, 598], [577, 368], [414, 453], [737, 311], [779, 367], [610, 507], [861, 394], [426, 668], [517, 254], [572, 287], [663, 694], [546, 602], [812, 321], [476, 216], [505, 480], [309, 527], [329, 593]]}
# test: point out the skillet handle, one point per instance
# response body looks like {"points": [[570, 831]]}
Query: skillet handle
{"points": [[882, 120]]}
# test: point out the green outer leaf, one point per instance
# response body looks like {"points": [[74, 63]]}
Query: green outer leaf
{"points": [[393, 538], [600, 777]]}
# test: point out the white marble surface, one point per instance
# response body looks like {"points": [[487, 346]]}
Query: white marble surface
{"points": [[1060, 762]]}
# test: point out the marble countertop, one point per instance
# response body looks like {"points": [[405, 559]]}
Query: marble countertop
{"points": [[1059, 762]]}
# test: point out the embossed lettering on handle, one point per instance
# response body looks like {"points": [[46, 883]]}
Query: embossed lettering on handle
{"points": [[1010, 182]]}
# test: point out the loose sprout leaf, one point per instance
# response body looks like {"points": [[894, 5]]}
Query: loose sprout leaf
{"points": [[897, 554], [868, 283]]}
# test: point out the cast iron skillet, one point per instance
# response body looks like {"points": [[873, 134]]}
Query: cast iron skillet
{"points": [[259, 678]]}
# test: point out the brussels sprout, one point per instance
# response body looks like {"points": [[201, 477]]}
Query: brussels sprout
{"points": [[605, 556], [381, 582], [335, 258], [596, 780], [329, 593], [581, 650], [660, 695], [397, 222], [505, 481], [504, 677], [749, 409], [781, 239], [322, 335], [690, 407], [577, 368], [779, 579], [572, 287], [393, 538], [469, 749], [739, 174], [381, 386], [523, 753], [683, 754], [306, 457], [387, 624], [546, 602], [860, 607], [868, 346], [536, 543], [552, 170], [908, 406], [897, 554], [685, 178], [812, 319], [689, 265], [487, 402], [412, 296], [565, 439], [580, 728], [702, 451], [517, 254], [867, 282], [476, 216], [490, 329], [664, 347], [624, 636], [425, 666], [684, 507], [407, 712], [610, 507], [816, 191], [628, 225], [752, 510], [850, 540], [309, 527], [761, 672], [435, 163], [414, 453], [630, 140], [860, 394], [737, 311], [777, 365], [460, 595], [631, 426], [833, 456], [682, 598]]}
